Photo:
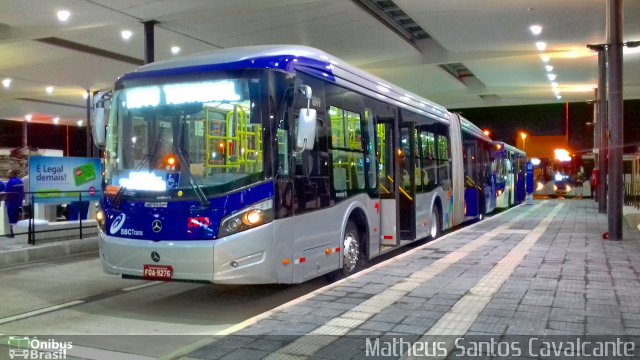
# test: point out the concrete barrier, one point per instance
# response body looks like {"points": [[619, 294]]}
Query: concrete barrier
{"points": [[48, 251]]}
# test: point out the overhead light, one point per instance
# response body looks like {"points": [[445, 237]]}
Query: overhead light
{"points": [[545, 58], [551, 76], [126, 34], [49, 89], [80, 122], [535, 29], [630, 50], [556, 91], [549, 67], [56, 120], [554, 84], [63, 15], [28, 117], [85, 95], [6, 83], [558, 97], [175, 49], [541, 45]]}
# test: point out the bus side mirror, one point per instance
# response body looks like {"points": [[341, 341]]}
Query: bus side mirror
{"points": [[99, 116], [306, 125]]}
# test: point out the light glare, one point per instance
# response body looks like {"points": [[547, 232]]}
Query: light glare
{"points": [[535, 29], [541, 45], [175, 50], [63, 15], [126, 34], [6, 83]]}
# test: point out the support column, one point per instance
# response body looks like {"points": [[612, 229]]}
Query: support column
{"points": [[614, 13], [89, 138], [149, 47], [603, 131], [596, 140]]}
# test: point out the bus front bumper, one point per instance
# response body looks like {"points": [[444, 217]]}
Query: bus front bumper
{"points": [[241, 258]]}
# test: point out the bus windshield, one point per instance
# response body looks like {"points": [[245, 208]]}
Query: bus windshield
{"points": [[201, 135]]}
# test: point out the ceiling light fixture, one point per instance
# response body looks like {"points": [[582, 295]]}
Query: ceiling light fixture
{"points": [[28, 117], [80, 122], [126, 34], [541, 45], [63, 15], [49, 89], [85, 95], [545, 58], [175, 50], [56, 120], [551, 76], [6, 83], [554, 84], [549, 68], [558, 97], [535, 29]]}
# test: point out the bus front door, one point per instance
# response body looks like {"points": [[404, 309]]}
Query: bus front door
{"points": [[396, 182], [386, 140]]}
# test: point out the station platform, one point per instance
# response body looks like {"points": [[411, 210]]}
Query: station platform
{"points": [[540, 270]]}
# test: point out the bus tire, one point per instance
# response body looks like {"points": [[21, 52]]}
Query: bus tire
{"points": [[352, 254], [436, 227]]}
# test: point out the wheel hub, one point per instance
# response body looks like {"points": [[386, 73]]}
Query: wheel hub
{"points": [[351, 252]]}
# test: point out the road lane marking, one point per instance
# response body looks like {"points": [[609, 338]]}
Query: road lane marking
{"points": [[142, 286], [40, 311]]}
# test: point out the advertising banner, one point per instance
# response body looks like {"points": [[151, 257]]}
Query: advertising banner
{"points": [[63, 179]]}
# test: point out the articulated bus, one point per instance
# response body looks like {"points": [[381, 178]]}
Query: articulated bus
{"points": [[511, 166], [276, 164]]}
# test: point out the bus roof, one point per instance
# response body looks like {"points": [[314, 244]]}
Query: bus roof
{"points": [[506, 146], [471, 128], [289, 58]]}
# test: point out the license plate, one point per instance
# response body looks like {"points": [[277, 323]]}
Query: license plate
{"points": [[158, 272]]}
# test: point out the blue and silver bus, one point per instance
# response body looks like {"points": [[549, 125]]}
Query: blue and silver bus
{"points": [[511, 164], [276, 164]]}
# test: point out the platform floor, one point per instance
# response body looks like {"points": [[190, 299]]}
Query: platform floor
{"points": [[535, 270]]}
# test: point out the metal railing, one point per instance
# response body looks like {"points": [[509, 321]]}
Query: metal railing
{"points": [[32, 196], [632, 193]]}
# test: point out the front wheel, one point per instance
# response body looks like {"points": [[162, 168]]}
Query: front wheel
{"points": [[352, 254]]}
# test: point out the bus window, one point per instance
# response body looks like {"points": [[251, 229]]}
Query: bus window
{"points": [[444, 166], [347, 155], [428, 160]]}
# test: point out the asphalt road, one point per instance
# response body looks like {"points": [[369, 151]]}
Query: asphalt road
{"points": [[73, 300]]}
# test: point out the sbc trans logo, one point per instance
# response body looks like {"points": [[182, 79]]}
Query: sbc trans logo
{"points": [[24, 347], [117, 223]]}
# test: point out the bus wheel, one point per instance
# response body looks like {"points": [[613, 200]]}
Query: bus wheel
{"points": [[352, 254], [435, 223], [353, 257]]}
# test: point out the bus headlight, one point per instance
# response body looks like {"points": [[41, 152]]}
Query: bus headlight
{"points": [[252, 216], [100, 219]]}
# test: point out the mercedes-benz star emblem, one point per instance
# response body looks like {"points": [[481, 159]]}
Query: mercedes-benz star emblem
{"points": [[156, 225], [155, 256]]}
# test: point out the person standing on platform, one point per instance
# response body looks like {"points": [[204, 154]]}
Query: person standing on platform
{"points": [[14, 195]]}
